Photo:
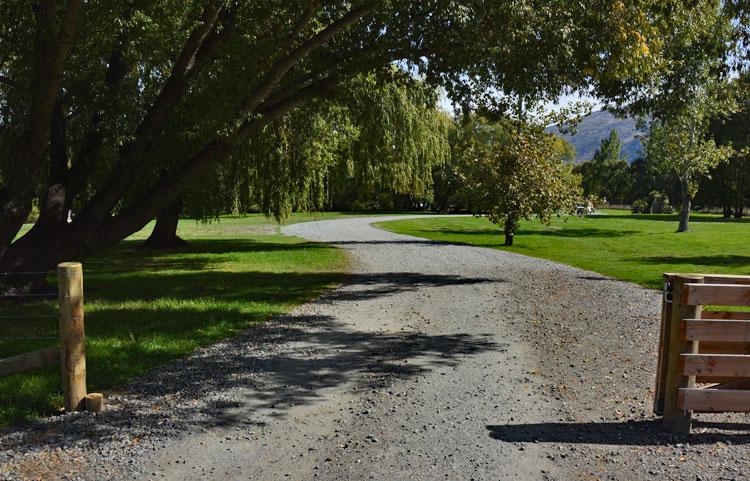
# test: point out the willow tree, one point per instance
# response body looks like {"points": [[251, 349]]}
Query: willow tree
{"points": [[379, 133], [401, 135], [113, 110]]}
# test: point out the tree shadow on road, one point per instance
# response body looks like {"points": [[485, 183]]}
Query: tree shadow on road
{"points": [[631, 433], [288, 361]]}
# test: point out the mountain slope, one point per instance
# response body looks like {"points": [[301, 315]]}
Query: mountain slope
{"points": [[597, 126]]}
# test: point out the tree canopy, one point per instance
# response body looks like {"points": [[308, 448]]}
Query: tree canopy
{"points": [[116, 109]]}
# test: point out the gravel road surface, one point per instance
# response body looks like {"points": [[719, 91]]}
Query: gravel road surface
{"points": [[433, 361]]}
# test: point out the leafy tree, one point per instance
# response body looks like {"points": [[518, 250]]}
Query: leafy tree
{"points": [[606, 175], [513, 171], [115, 110], [645, 177], [695, 58], [729, 183], [680, 145]]}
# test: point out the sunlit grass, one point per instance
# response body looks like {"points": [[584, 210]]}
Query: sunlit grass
{"points": [[146, 308], [635, 248]]}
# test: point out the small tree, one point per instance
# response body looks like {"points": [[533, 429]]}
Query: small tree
{"points": [[680, 144], [516, 171]]}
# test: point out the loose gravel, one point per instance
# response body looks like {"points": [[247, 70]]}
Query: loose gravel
{"points": [[434, 361]]}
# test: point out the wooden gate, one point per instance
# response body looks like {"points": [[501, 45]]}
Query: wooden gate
{"points": [[704, 354]]}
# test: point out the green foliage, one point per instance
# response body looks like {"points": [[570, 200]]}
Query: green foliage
{"points": [[375, 140], [655, 203], [640, 206], [728, 185], [681, 146], [154, 100], [512, 171], [607, 174]]}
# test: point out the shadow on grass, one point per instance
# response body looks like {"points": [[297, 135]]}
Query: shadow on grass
{"points": [[566, 231], [715, 260], [699, 218], [632, 433], [197, 254]]}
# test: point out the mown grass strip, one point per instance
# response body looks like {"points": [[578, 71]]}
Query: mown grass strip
{"points": [[635, 248]]}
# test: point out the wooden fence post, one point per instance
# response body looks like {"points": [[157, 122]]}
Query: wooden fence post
{"points": [[677, 421], [72, 337]]}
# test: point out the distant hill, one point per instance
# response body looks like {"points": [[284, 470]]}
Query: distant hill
{"points": [[597, 126]]}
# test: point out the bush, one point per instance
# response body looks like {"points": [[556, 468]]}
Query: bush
{"points": [[640, 206]]}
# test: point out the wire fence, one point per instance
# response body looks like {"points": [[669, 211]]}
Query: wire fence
{"points": [[19, 286]]}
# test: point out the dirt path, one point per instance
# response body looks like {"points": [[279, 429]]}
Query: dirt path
{"points": [[433, 362]]}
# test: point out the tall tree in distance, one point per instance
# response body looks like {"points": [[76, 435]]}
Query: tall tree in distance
{"points": [[681, 145], [731, 180], [707, 38], [606, 175]]}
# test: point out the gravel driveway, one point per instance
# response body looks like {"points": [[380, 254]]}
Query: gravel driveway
{"points": [[434, 361]]}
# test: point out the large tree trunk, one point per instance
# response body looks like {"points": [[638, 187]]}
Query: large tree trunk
{"points": [[685, 208], [739, 210], [510, 230], [164, 235]]}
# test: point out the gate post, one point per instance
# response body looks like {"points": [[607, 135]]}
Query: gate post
{"points": [[677, 421], [661, 366]]}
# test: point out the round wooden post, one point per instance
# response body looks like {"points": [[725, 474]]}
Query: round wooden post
{"points": [[676, 420], [72, 337]]}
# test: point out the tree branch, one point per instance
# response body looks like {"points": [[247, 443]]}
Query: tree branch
{"points": [[51, 53], [199, 50], [286, 63]]}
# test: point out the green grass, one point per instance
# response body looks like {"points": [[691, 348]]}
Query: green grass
{"points": [[635, 248], [146, 308]]}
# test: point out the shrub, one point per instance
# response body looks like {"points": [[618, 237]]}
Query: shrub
{"points": [[640, 206]]}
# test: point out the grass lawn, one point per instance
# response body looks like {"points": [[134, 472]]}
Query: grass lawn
{"points": [[635, 248], [145, 308]]}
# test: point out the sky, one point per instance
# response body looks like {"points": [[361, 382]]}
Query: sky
{"points": [[564, 101]]}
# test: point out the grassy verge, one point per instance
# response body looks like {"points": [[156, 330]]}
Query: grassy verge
{"points": [[146, 308], [635, 248]]}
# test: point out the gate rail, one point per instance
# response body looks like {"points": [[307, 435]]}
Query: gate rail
{"points": [[704, 356]]}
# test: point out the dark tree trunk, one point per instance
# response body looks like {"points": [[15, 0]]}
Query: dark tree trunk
{"points": [[727, 211], [164, 235], [510, 230], [685, 208], [740, 199]]}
